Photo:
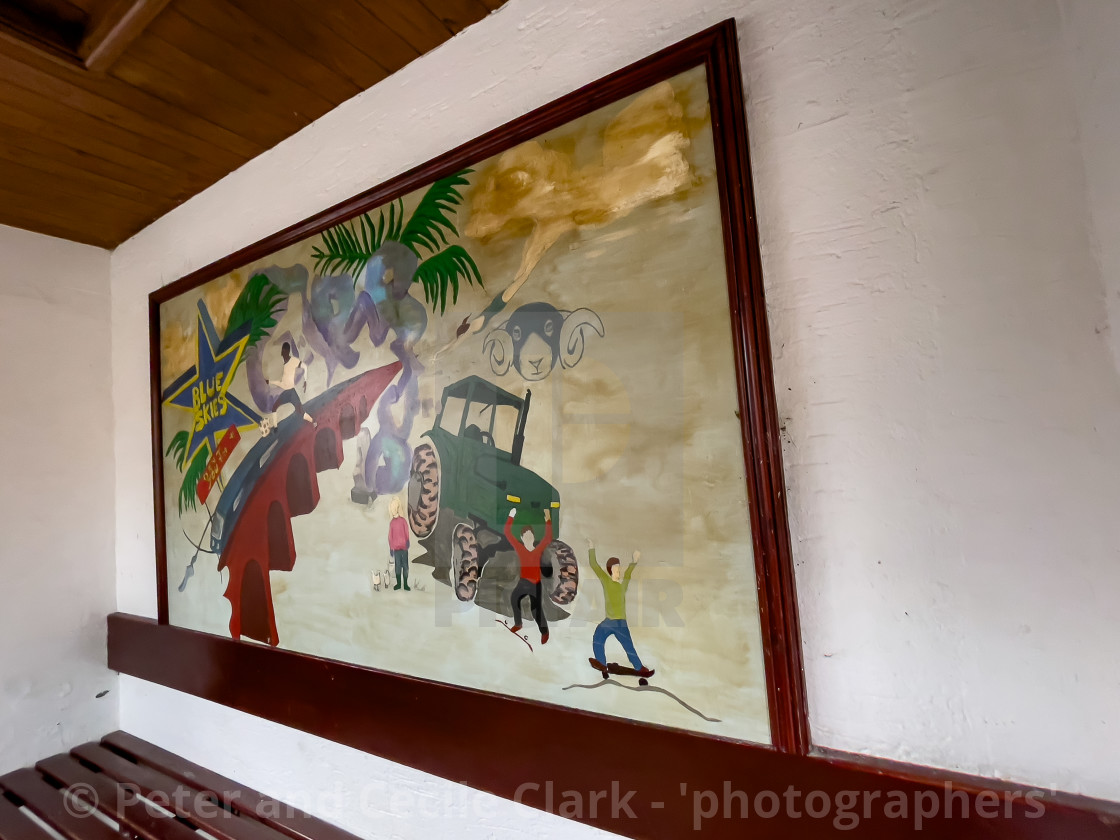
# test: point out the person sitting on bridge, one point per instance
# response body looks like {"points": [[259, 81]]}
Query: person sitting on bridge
{"points": [[530, 582], [288, 385]]}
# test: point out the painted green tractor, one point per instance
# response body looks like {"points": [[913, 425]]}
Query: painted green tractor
{"points": [[469, 471]]}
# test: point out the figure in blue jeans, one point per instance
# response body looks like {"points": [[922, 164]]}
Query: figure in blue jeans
{"points": [[615, 585]]}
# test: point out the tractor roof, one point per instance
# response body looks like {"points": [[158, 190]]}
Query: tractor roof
{"points": [[484, 391]]}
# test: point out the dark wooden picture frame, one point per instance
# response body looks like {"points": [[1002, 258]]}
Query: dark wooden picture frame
{"points": [[305, 677]]}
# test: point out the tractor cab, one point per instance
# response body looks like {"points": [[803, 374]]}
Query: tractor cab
{"points": [[474, 409], [479, 437], [470, 467]]}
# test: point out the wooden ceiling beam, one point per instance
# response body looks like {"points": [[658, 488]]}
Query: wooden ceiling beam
{"points": [[110, 33], [92, 43], [193, 89], [52, 37]]}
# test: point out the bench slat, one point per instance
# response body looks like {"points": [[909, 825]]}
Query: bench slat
{"points": [[292, 822], [46, 802], [195, 804], [15, 825], [115, 801]]}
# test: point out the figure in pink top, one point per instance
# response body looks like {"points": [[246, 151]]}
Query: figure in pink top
{"points": [[398, 543]]}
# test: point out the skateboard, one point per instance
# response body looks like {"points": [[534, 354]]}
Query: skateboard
{"points": [[525, 639], [614, 669]]}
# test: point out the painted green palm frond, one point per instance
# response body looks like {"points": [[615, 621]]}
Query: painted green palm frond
{"points": [[178, 446], [429, 224], [342, 250], [257, 305], [189, 487], [396, 220], [347, 247], [443, 270]]}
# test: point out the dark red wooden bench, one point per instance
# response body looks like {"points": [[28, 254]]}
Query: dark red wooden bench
{"points": [[124, 786]]}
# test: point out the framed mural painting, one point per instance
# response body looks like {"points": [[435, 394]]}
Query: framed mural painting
{"points": [[504, 423]]}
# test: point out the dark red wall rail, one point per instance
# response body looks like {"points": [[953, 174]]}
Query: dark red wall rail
{"points": [[680, 782]]}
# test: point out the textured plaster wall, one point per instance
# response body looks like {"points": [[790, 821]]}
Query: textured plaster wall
{"points": [[1093, 30], [56, 497], [932, 244]]}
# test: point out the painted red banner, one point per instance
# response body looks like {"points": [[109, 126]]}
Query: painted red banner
{"points": [[218, 460]]}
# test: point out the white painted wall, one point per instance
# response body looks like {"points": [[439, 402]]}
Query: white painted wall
{"points": [[936, 284], [56, 497], [1092, 32]]}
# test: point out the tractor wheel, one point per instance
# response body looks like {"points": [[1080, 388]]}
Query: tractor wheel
{"points": [[566, 570], [423, 491], [464, 562]]}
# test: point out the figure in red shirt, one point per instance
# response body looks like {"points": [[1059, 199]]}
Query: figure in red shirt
{"points": [[530, 582], [398, 543]]}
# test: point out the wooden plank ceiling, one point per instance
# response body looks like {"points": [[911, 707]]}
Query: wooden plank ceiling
{"points": [[112, 112]]}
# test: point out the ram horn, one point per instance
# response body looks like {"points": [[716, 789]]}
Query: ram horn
{"points": [[499, 346], [572, 335]]}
